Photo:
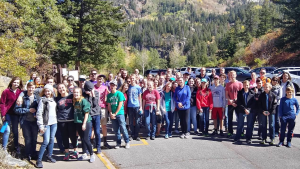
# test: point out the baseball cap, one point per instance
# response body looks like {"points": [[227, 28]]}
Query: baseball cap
{"points": [[82, 77], [113, 82], [204, 80], [102, 76], [216, 77], [187, 73]]}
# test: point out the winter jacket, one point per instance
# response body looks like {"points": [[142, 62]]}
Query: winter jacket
{"points": [[241, 104], [193, 96], [183, 96], [256, 97], [277, 90], [46, 112], [8, 101], [204, 98], [163, 103], [23, 109], [272, 103]]}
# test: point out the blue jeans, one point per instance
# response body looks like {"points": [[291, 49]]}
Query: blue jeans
{"points": [[48, 137], [291, 126], [240, 126], [120, 124], [169, 122], [13, 122], [30, 131], [204, 120], [226, 118], [176, 117], [193, 118], [150, 117], [264, 121], [133, 113], [250, 124], [96, 125]]}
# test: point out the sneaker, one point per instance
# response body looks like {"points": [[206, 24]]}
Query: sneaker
{"points": [[242, 135], [259, 138], [66, 157], [147, 138], [117, 146], [75, 155], [98, 151], [39, 164], [152, 138], [138, 139], [236, 141], [166, 136], [107, 145], [280, 144], [206, 134], [170, 136], [127, 145], [289, 145], [221, 133], [276, 134], [272, 142], [51, 159], [130, 138], [249, 141], [215, 132], [196, 133], [83, 157], [182, 136], [176, 131], [18, 151], [262, 142], [187, 135], [92, 158], [229, 135]]}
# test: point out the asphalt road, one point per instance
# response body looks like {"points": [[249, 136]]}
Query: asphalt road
{"points": [[195, 152]]}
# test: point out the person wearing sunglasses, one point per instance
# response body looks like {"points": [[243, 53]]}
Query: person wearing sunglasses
{"points": [[277, 90], [263, 77], [93, 76], [70, 84]]}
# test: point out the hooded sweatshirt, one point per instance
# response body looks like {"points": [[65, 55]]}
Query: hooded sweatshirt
{"points": [[183, 96], [218, 93], [204, 98], [8, 100]]}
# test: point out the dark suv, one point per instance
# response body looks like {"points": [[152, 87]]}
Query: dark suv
{"points": [[241, 74], [268, 70]]}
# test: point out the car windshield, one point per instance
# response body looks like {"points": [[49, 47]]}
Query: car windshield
{"points": [[182, 69]]}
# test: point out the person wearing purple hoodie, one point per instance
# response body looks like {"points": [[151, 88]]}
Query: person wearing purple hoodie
{"points": [[182, 96]]}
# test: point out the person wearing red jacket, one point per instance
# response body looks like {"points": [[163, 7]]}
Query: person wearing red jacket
{"points": [[7, 104], [204, 103]]}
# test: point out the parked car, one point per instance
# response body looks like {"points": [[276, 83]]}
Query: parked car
{"points": [[279, 71], [198, 71], [245, 68], [241, 73], [295, 75], [268, 70], [184, 69]]}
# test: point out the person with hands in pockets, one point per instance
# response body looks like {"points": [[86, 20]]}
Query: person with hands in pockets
{"points": [[115, 101]]}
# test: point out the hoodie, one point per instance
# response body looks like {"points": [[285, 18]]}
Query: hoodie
{"points": [[8, 100], [182, 95], [204, 98], [218, 93]]}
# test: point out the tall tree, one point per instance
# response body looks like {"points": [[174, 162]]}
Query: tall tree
{"points": [[95, 25]]}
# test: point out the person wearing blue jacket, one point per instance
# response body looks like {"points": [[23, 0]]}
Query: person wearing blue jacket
{"points": [[287, 116], [26, 106], [182, 96]]}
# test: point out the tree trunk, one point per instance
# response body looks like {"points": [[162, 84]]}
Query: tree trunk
{"points": [[79, 45]]}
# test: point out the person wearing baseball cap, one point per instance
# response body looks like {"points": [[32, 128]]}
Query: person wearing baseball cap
{"points": [[186, 77], [115, 105], [219, 104], [82, 79]]}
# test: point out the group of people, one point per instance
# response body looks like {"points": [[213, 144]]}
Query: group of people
{"points": [[67, 110]]}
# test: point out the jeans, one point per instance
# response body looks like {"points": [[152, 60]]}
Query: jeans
{"points": [[226, 118], [264, 121], [193, 118], [291, 126], [183, 115], [204, 120], [120, 124], [277, 121], [134, 115], [96, 125], [150, 117], [176, 118], [169, 122], [13, 122], [30, 131], [85, 139], [241, 119], [48, 141], [250, 124], [67, 130], [231, 109]]}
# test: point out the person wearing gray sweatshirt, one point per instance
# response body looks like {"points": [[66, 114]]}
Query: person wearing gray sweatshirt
{"points": [[219, 102]]}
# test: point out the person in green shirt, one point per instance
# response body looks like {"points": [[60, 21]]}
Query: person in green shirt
{"points": [[115, 101], [82, 119]]}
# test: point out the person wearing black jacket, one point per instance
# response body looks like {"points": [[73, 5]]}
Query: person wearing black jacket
{"points": [[203, 75], [255, 110], [268, 103], [244, 104], [193, 111], [93, 97]]}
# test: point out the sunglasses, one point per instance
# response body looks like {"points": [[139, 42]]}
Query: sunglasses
{"points": [[70, 80], [94, 73], [262, 73], [275, 80]]}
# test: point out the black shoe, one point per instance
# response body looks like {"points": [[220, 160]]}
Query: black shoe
{"points": [[152, 138], [248, 141], [28, 158], [147, 138], [107, 145], [51, 160], [138, 139], [39, 164], [221, 133], [215, 132]]}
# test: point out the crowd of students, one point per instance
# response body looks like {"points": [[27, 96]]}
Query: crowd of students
{"points": [[67, 110]]}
